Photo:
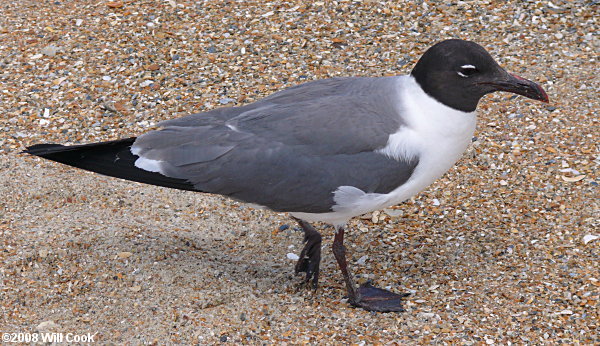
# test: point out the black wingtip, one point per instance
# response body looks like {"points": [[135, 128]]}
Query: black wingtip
{"points": [[48, 148], [41, 149], [113, 158]]}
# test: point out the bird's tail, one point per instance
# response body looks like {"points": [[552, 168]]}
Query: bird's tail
{"points": [[113, 158]]}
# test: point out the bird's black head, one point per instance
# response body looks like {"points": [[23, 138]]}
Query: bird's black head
{"points": [[458, 73]]}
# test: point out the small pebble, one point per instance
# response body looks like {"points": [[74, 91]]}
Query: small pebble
{"points": [[47, 326], [43, 253], [124, 254], [50, 50], [226, 100], [589, 238], [292, 256]]}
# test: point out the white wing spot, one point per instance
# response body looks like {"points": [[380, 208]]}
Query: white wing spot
{"points": [[467, 66], [233, 127], [148, 165]]}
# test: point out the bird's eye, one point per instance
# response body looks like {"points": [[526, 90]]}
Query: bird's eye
{"points": [[466, 71]]}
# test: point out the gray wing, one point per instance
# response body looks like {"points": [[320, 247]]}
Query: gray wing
{"points": [[289, 151], [322, 114]]}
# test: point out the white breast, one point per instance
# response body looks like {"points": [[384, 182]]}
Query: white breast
{"points": [[434, 133]]}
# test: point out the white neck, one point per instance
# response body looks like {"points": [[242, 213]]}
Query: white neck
{"points": [[434, 133]]}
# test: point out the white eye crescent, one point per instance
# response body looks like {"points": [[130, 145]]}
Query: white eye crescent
{"points": [[467, 70]]}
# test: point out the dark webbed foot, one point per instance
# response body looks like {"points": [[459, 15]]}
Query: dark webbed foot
{"points": [[372, 298], [310, 257], [366, 296]]}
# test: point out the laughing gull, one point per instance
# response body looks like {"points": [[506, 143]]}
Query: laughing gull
{"points": [[326, 150]]}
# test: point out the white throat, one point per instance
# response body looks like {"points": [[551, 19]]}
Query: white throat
{"points": [[428, 126], [434, 133]]}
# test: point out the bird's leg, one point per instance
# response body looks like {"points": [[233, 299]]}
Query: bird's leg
{"points": [[366, 296], [310, 257], [339, 251]]}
